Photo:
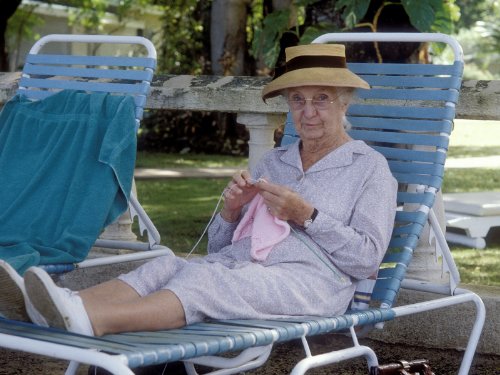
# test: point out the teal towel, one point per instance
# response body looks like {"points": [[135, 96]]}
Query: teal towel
{"points": [[66, 168]]}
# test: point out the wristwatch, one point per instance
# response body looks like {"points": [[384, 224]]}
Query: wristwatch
{"points": [[309, 221]]}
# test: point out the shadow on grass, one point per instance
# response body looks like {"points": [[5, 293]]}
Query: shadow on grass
{"points": [[472, 151], [480, 266]]}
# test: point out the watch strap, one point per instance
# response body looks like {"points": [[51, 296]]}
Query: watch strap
{"points": [[314, 214]]}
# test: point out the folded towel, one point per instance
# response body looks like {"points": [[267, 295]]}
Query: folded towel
{"points": [[66, 168], [265, 229]]}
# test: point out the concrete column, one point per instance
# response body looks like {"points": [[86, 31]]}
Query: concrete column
{"points": [[261, 128]]}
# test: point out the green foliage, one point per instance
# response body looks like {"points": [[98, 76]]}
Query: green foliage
{"points": [[479, 35], [475, 10], [194, 132], [182, 48], [481, 45], [90, 13], [266, 37], [21, 26], [424, 15], [312, 32], [267, 31], [352, 11], [487, 48], [433, 16], [23, 22], [447, 18]]}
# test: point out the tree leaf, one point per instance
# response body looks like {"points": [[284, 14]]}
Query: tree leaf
{"points": [[446, 16], [422, 13], [352, 11], [266, 38], [312, 32]]}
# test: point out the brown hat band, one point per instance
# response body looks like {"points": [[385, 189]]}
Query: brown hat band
{"points": [[303, 62]]}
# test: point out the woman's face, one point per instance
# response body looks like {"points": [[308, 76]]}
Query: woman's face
{"points": [[317, 111]]}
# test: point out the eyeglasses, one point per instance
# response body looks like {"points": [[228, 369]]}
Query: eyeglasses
{"points": [[320, 102]]}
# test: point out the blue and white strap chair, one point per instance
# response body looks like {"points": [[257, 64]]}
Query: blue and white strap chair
{"points": [[407, 116]]}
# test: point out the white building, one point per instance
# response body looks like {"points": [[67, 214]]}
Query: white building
{"points": [[143, 22]]}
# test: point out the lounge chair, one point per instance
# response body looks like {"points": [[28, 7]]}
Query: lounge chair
{"points": [[53, 77], [408, 117]]}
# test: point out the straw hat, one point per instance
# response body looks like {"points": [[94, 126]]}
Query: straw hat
{"points": [[314, 65]]}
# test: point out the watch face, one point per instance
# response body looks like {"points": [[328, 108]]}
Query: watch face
{"points": [[307, 223]]}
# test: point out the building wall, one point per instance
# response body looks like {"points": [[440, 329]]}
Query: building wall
{"points": [[56, 22]]}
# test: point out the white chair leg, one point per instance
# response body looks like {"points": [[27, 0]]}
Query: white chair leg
{"points": [[72, 368]]}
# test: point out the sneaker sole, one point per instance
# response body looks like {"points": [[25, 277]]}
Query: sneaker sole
{"points": [[38, 287], [11, 298]]}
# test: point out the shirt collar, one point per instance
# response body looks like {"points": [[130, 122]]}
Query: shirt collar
{"points": [[340, 157]]}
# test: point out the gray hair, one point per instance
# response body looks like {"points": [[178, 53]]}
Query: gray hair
{"points": [[346, 123], [346, 94]]}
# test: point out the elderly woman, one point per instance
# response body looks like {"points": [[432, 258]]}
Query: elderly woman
{"points": [[294, 237]]}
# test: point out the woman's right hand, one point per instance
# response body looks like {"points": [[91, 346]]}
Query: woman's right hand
{"points": [[237, 194]]}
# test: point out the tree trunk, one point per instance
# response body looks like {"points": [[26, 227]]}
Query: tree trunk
{"points": [[228, 37], [9, 7]]}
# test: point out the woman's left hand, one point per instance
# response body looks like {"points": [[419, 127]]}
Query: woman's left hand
{"points": [[285, 203]]}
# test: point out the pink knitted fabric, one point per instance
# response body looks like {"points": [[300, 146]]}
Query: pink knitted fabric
{"points": [[265, 229]]}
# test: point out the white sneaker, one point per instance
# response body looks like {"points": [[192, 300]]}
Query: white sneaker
{"points": [[12, 305], [61, 308]]}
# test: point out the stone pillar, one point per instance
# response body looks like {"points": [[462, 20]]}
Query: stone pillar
{"points": [[121, 229], [261, 128]]}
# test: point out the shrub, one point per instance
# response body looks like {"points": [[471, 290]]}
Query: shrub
{"points": [[193, 132]]}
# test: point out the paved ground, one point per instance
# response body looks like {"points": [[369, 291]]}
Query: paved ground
{"points": [[443, 362], [474, 162]]}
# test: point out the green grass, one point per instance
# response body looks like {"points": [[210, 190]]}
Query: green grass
{"points": [[181, 208], [462, 180], [472, 151], [160, 160], [479, 267], [476, 139]]}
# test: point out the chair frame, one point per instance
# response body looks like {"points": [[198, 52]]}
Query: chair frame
{"points": [[202, 343], [45, 74]]}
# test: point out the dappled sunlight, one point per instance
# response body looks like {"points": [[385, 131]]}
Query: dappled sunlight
{"points": [[479, 267], [475, 133], [213, 199], [164, 160]]}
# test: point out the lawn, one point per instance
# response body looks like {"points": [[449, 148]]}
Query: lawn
{"points": [[181, 208], [476, 139]]}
